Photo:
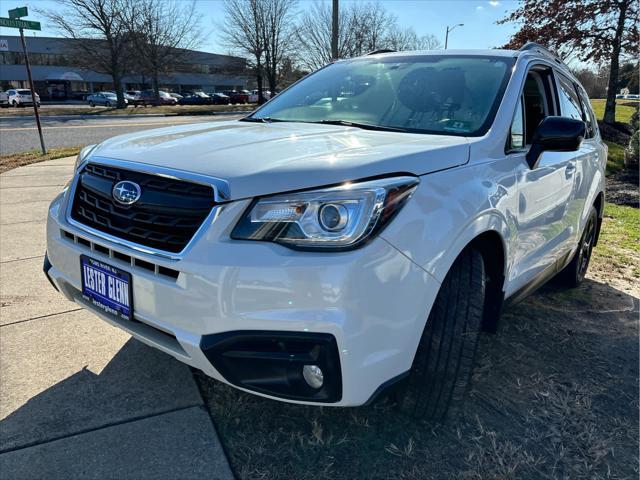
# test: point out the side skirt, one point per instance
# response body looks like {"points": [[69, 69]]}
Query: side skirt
{"points": [[542, 278]]}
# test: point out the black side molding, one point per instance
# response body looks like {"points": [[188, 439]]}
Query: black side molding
{"points": [[45, 268]]}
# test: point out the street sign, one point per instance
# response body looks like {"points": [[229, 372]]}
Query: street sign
{"points": [[13, 23], [4, 45], [18, 12]]}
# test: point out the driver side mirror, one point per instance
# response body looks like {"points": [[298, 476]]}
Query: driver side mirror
{"points": [[557, 134]]}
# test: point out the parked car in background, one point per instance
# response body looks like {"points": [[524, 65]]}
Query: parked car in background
{"points": [[196, 98], [177, 96], [4, 100], [326, 255], [217, 98], [253, 96], [236, 96], [21, 97], [632, 96], [107, 99], [149, 97]]}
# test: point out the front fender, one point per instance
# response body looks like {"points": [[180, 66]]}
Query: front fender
{"points": [[450, 209]]}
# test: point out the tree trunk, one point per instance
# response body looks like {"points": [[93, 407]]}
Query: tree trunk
{"points": [[612, 88], [117, 84], [259, 82], [156, 83]]}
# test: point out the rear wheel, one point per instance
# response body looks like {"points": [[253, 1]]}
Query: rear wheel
{"points": [[573, 274], [444, 361]]}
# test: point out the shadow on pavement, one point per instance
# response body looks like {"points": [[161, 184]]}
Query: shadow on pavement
{"points": [[138, 382]]}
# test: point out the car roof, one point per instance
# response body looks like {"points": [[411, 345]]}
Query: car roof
{"points": [[462, 52], [531, 50]]}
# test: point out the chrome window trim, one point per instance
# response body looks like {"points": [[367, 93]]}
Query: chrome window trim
{"points": [[220, 192]]}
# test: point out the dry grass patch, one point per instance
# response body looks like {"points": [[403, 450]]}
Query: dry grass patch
{"points": [[9, 162]]}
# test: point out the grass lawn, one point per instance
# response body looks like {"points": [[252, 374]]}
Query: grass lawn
{"points": [[615, 159], [8, 162], [623, 112], [47, 110], [617, 256]]}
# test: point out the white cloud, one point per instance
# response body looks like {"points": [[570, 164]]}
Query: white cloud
{"points": [[494, 3], [479, 7]]}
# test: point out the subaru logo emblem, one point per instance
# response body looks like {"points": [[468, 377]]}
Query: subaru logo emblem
{"points": [[126, 192]]}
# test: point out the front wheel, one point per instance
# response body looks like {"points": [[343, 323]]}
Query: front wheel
{"points": [[443, 364], [573, 274], [91, 104], [108, 104]]}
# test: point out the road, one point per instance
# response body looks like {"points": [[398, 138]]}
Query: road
{"points": [[19, 134]]}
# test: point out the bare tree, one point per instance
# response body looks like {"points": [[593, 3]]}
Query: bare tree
{"points": [[278, 32], [162, 32], [364, 27], [99, 24], [407, 39], [243, 32], [314, 35]]}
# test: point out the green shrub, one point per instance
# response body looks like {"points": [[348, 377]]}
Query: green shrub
{"points": [[631, 152], [634, 120]]}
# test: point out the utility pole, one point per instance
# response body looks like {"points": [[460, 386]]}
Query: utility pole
{"points": [[446, 37], [334, 31]]}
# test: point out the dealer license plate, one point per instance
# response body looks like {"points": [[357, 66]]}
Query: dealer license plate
{"points": [[107, 288]]}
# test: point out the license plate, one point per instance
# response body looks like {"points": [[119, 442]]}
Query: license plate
{"points": [[107, 288]]}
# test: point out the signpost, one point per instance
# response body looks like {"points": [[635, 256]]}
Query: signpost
{"points": [[14, 22]]}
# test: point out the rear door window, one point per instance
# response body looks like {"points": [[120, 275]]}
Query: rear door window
{"points": [[587, 113], [569, 101]]}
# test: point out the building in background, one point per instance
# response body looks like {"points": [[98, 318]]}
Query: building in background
{"points": [[57, 76]]}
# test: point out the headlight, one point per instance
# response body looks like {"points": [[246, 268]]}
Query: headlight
{"points": [[84, 153], [328, 219]]}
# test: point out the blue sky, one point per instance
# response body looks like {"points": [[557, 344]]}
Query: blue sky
{"points": [[425, 16]]}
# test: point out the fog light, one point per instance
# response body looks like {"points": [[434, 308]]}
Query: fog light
{"points": [[313, 375]]}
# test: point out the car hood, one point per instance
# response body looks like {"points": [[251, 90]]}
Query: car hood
{"points": [[258, 159]]}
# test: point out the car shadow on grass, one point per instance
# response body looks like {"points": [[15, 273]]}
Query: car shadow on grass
{"points": [[554, 395]]}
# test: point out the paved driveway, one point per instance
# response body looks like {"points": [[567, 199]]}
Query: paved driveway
{"points": [[79, 398]]}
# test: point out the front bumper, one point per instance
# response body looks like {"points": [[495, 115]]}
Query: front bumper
{"points": [[371, 303]]}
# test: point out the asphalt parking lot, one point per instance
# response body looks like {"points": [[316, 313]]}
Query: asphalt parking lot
{"points": [[79, 398], [19, 134]]}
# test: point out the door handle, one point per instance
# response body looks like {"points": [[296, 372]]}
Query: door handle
{"points": [[569, 170]]}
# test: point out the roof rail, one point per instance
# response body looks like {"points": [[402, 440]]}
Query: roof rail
{"points": [[381, 50], [542, 49]]}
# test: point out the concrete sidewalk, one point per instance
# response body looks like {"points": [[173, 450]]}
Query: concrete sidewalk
{"points": [[79, 398]]}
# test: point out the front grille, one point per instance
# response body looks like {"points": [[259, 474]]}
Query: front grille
{"points": [[167, 215]]}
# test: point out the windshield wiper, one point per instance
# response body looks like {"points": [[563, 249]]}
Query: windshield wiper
{"points": [[364, 126], [261, 119]]}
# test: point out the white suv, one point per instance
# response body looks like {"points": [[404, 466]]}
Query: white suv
{"points": [[354, 234], [20, 97]]}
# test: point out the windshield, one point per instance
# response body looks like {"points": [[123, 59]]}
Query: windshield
{"points": [[110, 95], [442, 94]]}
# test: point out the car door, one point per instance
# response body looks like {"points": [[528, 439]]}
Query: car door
{"points": [[588, 161], [545, 192]]}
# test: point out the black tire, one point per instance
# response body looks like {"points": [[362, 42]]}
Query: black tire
{"points": [[444, 361], [108, 104], [91, 104], [573, 274]]}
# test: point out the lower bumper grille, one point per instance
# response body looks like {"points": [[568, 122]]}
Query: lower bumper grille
{"points": [[167, 215]]}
